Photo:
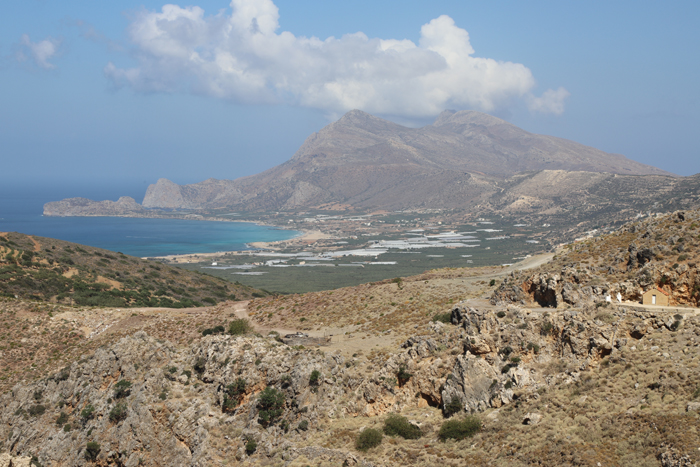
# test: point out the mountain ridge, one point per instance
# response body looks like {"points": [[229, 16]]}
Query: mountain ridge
{"points": [[334, 163], [365, 162]]}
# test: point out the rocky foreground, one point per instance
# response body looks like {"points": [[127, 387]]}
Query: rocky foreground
{"points": [[600, 384]]}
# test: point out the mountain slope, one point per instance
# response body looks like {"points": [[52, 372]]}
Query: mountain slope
{"points": [[365, 161]]}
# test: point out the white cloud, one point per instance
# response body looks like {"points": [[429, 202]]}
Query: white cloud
{"points": [[240, 56], [40, 52], [552, 101]]}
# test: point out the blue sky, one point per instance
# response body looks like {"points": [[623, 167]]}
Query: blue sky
{"points": [[131, 91]]}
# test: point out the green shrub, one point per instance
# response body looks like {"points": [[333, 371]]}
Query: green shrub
{"points": [[238, 327], [36, 410], [501, 314], [453, 407], [443, 318], [534, 347], [233, 394], [303, 425], [505, 351], [250, 446], [396, 425], [403, 376], [271, 406], [62, 419], [118, 413], [215, 330], [88, 413], [62, 375], [122, 389], [200, 365], [460, 429], [492, 282], [67, 427], [547, 328], [314, 379], [369, 438], [91, 451]]}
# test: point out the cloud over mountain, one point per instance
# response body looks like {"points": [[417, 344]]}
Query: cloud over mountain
{"points": [[240, 55]]}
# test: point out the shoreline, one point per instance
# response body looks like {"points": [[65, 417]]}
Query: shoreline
{"points": [[304, 238]]}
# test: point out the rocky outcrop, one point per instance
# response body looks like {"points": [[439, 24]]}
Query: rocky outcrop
{"points": [[659, 252]]}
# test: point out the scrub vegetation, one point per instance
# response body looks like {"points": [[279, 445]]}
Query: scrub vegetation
{"points": [[61, 272]]}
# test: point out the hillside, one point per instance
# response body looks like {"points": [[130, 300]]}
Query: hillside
{"points": [[660, 251], [611, 386], [66, 273]]}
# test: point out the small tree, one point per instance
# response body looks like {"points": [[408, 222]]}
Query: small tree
{"points": [[453, 407], [314, 379], [403, 376], [91, 451], [233, 394], [368, 439], [250, 446], [62, 419], [122, 389], [88, 413], [271, 406], [118, 413], [200, 365]]}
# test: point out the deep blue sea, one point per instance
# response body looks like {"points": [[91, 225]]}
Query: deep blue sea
{"points": [[21, 208]]}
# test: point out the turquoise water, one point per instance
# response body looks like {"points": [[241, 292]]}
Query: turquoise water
{"points": [[21, 211]]}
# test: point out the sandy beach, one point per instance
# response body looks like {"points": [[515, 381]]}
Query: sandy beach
{"points": [[306, 238]]}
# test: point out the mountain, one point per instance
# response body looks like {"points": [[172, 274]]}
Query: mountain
{"points": [[367, 162]]}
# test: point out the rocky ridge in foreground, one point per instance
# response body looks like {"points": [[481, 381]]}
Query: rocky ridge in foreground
{"points": [[570, 387]]}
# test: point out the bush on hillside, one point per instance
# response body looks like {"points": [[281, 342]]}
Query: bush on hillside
{"points": [[459, 429], [271, 406], [122, 389], [91, 451], [397, 425], [368, 439], [118, 413], [453, 407], [238, 327]]}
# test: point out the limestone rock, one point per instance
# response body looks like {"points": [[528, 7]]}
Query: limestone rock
{"points": [[532, 419]]}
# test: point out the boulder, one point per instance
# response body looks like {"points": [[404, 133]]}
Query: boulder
{"points": [[532, 419]]}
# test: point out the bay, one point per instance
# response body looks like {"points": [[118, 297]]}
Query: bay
{"points": [[21, 210]]}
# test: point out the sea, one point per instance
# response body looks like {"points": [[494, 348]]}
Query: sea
{"points": [[21, 208]]}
